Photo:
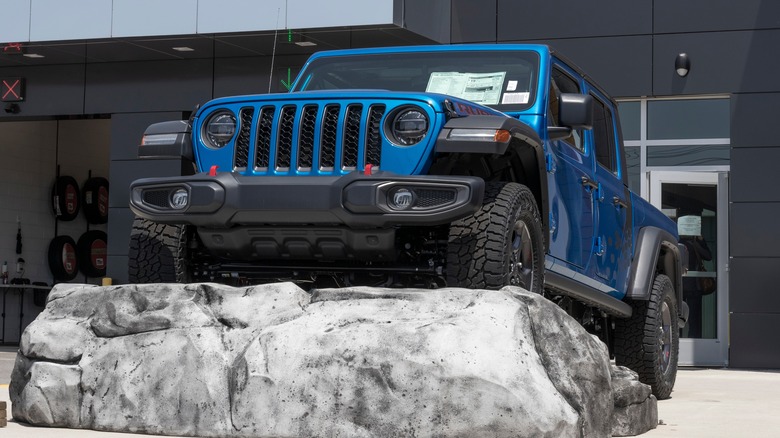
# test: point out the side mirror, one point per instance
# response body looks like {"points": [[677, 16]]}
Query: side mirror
{"points": [[576, 111]]}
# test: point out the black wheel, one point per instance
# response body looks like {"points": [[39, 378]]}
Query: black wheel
{"points": [[95, 200], [91, 250], [648, 342], [501, 244], [63, 261], [66, 200], [158, 253]]}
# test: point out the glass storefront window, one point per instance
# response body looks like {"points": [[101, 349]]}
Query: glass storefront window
{"points": [[630, 119], [688, 119], [634, 168], [694, 155]]}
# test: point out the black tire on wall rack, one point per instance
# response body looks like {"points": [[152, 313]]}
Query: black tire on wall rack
{"points": [[95, 200], [91, 250], [66, 200], [63, 261]]}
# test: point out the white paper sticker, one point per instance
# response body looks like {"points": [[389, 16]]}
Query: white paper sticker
{"points": [[689, 225], [511, 86], [515, 98], [482, 88]]}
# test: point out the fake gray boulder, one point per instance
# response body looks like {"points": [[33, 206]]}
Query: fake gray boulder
{"points": [[274, 360]]}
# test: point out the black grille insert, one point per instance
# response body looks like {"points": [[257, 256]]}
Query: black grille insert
{"points": [[374, 136], [429, 198], [242, 142], [351, 144], [285, 143], [306, 137], [264, 132], [157, 198], [330, 129]]}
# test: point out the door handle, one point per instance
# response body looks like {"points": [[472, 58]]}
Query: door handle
{"points": [[593, 187], [589, 183], [619, 203]]}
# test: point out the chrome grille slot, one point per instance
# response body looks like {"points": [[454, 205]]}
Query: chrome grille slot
{"points": [[330, 127], [306, 137], [285, 143], [263, 143], [373, 135], [351, 144], [241, 157]]}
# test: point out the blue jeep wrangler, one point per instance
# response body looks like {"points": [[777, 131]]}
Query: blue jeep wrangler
{"points": [[473, 166]]}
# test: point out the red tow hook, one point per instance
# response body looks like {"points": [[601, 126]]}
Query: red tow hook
{"points": [[367, 169], [213, 170]]}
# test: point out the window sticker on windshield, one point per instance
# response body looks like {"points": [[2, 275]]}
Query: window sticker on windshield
{"points": [[515, 98], [511, 86], [482, 88]]}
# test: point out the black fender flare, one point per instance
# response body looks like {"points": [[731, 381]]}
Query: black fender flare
{"points": [[522, 135], [655, 250]]}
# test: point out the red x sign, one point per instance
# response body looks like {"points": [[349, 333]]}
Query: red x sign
{"points": [[12, 89]]}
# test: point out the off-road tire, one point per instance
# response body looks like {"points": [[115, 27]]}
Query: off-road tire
{"points": [[649, 341], [158, 253], [483, 248]]}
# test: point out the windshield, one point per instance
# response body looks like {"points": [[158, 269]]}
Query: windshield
{"points": [[504, 80]]}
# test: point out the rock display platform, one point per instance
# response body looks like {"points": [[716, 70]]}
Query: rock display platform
{"points": [[276, 361]]}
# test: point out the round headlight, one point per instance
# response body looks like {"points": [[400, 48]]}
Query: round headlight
{"points": [[409, 126], [219, 129]]}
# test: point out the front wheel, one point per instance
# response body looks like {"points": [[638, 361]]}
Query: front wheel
{"points": [[501, 244], [648, 342], [158, 253]]}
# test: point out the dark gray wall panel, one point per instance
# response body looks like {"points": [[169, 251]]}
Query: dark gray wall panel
{"points": [[235, 76], [119, 229], [117, 268], [125, 87], [753, 286], [127, 130], [753, 231], [473, 22], [754, 340], [124, 172], [714, 15], [50, 90], [430, 19], [754, 174], [752, 118], [521, 20], [721, 62], [619, 64]]}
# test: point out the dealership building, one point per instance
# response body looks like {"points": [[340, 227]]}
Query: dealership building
{"points": [[696, 83]]}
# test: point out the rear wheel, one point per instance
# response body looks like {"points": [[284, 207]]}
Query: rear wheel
{"points": [[158, 253], [648, 342], [501, 244]]}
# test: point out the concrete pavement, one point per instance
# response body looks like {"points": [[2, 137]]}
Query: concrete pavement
{"points": [[709, 403]]}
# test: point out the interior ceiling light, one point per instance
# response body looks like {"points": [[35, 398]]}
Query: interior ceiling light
{"points": [[183, 49], [33, 55], [305, 43]]}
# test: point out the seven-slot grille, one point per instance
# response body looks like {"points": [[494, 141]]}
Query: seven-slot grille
{"points": [[309, 137]]}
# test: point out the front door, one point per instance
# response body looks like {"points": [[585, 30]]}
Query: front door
{"points": [[698, 202]]}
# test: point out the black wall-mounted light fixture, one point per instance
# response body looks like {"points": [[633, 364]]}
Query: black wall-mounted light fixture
{"points": [[682, 64]]}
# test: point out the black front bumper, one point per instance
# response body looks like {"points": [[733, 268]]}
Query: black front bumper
{"points": [[355, 200]]}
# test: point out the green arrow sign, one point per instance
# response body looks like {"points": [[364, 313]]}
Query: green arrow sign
{"points": [[288, 84]]}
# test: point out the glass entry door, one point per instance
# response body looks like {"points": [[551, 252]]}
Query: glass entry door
{"points": [[698, 202]]}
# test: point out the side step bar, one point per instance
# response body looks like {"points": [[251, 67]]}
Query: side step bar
{"points": [[566, 286]]}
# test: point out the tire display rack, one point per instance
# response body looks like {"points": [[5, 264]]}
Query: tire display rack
{"points": [[66, 256]]}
